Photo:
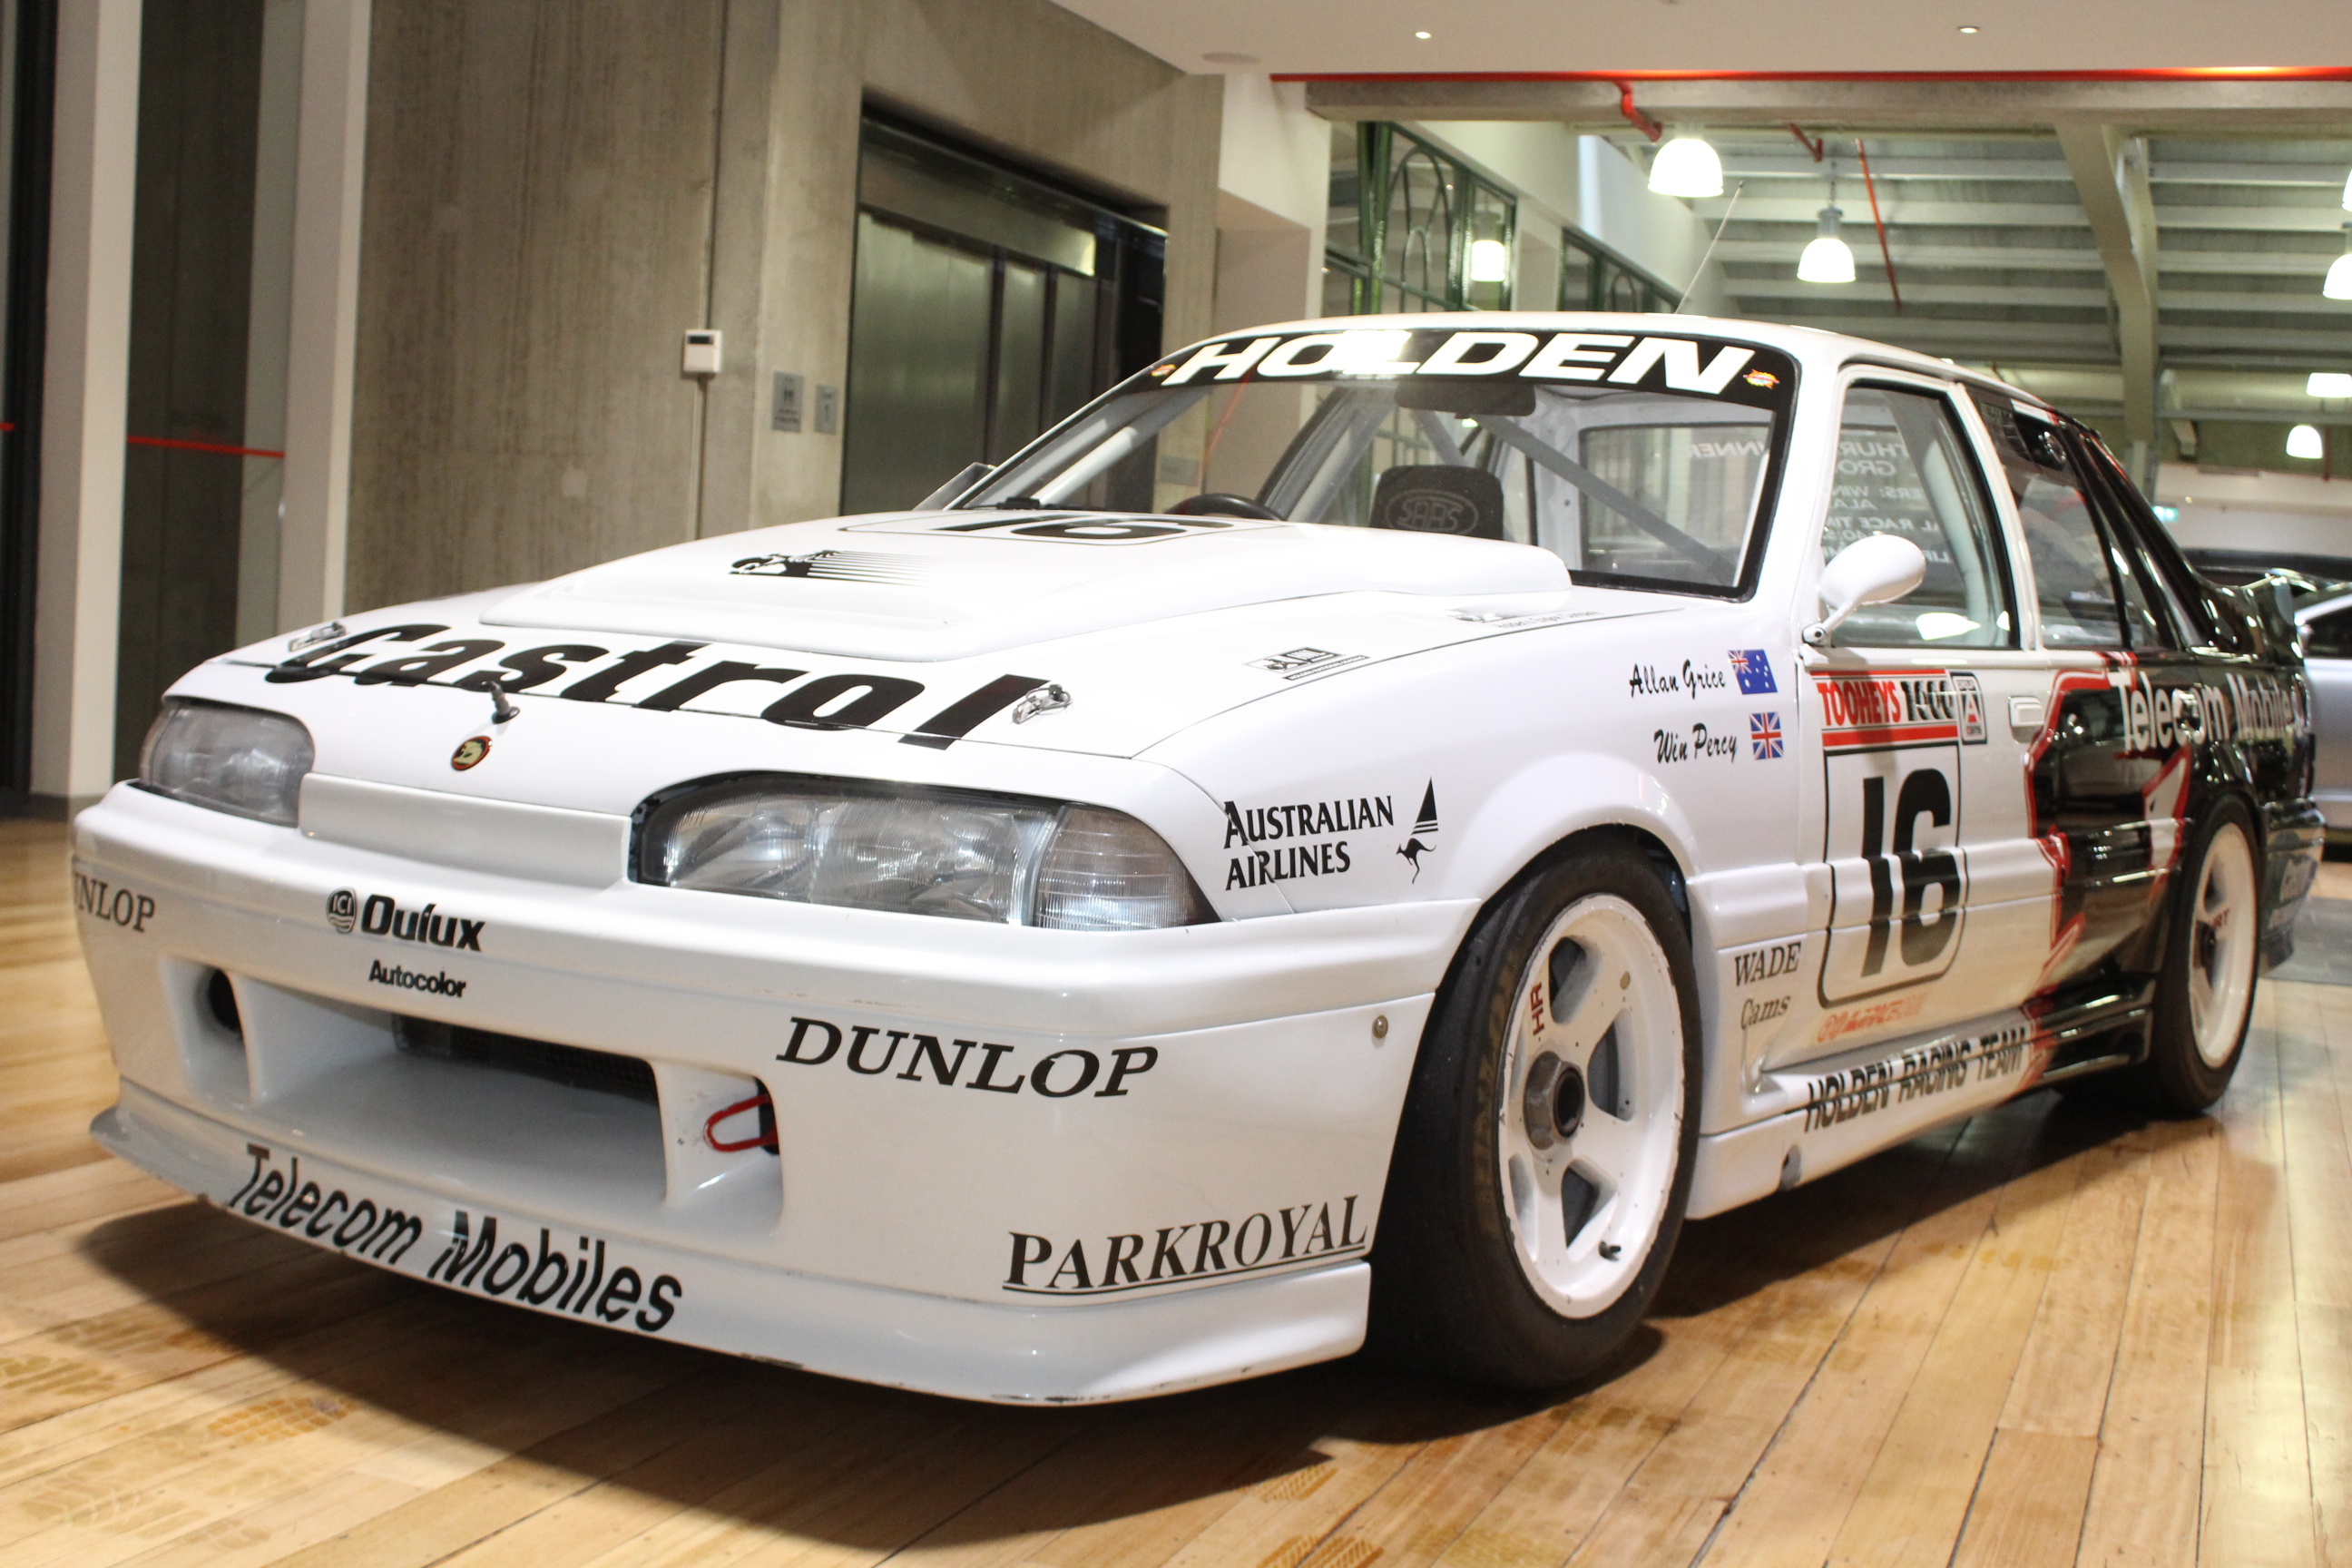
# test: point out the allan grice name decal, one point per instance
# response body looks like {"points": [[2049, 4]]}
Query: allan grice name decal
{"points": [[1043, 1266], [870, 1050], [1305, 837], [1693, 680], [552, 1277]]}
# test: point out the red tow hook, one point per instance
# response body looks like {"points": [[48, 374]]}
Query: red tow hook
{"points": [[766, 1138]]}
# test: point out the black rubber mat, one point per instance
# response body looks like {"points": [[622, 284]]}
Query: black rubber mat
{"points": [[2322, 944]]}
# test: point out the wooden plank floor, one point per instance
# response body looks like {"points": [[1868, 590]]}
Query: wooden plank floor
{"points": [[2050, 1335]]}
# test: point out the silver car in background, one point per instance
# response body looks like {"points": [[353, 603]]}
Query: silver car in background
{"points": [[2327, 627]]}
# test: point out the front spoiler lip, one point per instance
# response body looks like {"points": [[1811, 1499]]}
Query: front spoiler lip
{"points": [[1070, 1354]]}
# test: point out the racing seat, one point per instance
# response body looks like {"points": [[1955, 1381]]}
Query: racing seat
{"points": [[1439, 498]]}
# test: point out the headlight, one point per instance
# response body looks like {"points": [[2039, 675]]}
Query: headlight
{"points": [[918, 851], [239, 759]]}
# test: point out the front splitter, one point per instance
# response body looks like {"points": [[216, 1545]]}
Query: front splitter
{"points": [[1074, 1353]]}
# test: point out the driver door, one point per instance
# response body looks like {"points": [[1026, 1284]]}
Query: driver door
{"points": [[1936, 893]]}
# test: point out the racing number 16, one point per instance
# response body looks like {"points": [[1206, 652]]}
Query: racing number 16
{"points": [[1893, 847]]}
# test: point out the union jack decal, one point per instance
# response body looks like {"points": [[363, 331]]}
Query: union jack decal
{"points": [[1764, 735]]}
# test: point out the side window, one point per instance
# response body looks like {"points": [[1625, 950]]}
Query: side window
{"points": [[1904, 467], [2073, 581], [2328, 635], [2166, 572]]}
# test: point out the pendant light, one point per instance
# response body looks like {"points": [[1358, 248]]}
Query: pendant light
{"points": [[1490, 261], [2303, 441], [2339, 276], [2328, 384], [1686, 166], [1827, 258]]}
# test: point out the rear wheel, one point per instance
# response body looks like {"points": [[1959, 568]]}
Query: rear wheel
{"points": [[1544, 1155], [2205, 995]]}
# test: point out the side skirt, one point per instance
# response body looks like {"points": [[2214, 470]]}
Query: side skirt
{"points": [[1848, 1108]]}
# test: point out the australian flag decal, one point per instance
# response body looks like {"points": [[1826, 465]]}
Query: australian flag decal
{"points": [[1754, 670], [1764, 734]]}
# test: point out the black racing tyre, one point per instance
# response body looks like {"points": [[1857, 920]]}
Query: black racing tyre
{"points": [[1544, 1157], [2205, 993]]}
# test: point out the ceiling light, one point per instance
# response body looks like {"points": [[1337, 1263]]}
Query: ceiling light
{"points": [[1490, 262], [2303, 441], [2347, 192], [1229, 58], [1686, 166], [1966, 27], [1423, 37], [1828, 259], [2329, 383]]}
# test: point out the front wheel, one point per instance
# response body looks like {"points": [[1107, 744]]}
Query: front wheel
{"points": [[1544, 1155]]}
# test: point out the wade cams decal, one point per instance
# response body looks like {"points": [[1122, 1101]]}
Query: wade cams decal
{"points": [[840, 702], [1920, 1073], [1710, 367], [1306, 663], [552, 1277], [1065, 528], [1206, 1249], [1692, 680], [112, 903], [1309, 837], [330, 1218], [870, 1050], [1755, 967], [382, 916], [833, 567], [1755, 1010]]}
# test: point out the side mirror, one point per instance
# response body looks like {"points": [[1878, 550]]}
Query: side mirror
{"points": [[1872, 570]]}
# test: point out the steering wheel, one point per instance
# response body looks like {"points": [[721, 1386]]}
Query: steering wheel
{"points": [[1215, 504]]}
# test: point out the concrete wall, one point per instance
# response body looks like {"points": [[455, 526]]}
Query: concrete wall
{"points": [[553, 198]]}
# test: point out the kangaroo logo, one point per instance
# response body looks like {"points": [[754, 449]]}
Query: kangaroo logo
{"points": [[1414, 847]]}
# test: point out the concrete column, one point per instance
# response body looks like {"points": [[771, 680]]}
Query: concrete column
{"points": [[78, 587], [323, 324]]}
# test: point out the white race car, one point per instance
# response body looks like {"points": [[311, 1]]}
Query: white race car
{"points": [[1364, 829]]}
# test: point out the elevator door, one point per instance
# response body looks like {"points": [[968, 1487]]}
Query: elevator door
{"points": [[987, 306]]}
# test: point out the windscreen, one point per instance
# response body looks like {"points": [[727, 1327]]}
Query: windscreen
{"points": [[1642, 459]]}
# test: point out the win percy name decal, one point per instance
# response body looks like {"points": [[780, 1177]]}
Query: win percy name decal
{"points": [[1042, 1266], [552, 1277], [687, 674]]}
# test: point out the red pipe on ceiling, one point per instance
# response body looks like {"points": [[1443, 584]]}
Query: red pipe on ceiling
{"points": [[1618, 78]]}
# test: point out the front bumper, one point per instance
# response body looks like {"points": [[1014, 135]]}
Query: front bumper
{"points": [[1171, 1176]]}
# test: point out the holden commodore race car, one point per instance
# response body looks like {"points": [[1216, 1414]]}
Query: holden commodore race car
{"points": [[1361, 830]]}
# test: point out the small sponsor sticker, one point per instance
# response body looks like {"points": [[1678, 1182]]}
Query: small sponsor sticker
{"points": [[1764, 735], [469, 753]]}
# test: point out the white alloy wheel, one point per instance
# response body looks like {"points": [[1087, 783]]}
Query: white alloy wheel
{"points": [[2221, 939], [1591, 1120]]}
